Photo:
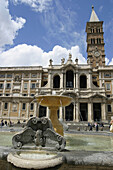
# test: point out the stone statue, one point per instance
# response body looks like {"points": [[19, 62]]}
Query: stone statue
{"points": [[37, 130]]}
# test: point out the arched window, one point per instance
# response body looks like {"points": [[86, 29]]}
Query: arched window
{"points": [[69, 79], [56, 81], [83, 81]]}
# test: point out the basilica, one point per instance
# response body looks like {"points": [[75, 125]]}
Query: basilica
{"points": [[90, 85]]}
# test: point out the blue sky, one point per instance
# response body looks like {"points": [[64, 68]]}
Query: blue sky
{"points": [[34, 31]]}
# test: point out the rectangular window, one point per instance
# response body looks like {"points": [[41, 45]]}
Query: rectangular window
{"points": [[33, 86], [5, 106], [26, 75], [1, 86], [24, 94], [25, 85], [107, 75], [108, 86], [32, 94], [109, 108], [9, 75], [32, 106], [7, 94], [34, 75], [2, 75], [8, 85], [24, 106]]}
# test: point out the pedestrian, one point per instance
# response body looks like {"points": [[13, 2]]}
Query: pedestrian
{"points": [[96, 126], [90, 128]]}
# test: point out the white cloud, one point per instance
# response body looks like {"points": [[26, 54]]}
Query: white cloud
{"points": [[8, 27], [111, 62], [101, 8], [106, 61], [26, 55], [37, 5]]}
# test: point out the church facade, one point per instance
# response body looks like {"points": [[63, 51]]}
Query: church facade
{"points": [[90, 85]]}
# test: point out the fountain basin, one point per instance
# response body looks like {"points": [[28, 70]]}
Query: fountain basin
{"points": [[34, 159], [53, 100]]}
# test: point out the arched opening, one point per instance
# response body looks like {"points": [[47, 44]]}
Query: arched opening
{"points": [[42, 111], [69, 112], [56, 81], [83, 111], [69, 79], [97, 111], [83, 81]]}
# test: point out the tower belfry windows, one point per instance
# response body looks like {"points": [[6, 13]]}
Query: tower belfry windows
{"points": [[95, 38], [92, 41]]}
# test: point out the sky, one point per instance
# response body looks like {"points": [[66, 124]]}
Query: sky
{"points": [[34, 31]]}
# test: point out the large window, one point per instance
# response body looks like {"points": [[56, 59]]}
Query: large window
{"points": [[108, 86], [32, 85], [83, 81], [8, 85], [32, 106], [56, 82], [25, 85], [1, 86], [5, 106], [69, 79], [109, 107], [24, 106]]}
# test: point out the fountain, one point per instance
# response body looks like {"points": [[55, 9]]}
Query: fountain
{"points": [[37, 131]]}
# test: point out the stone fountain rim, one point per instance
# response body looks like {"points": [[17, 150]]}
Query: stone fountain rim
{"points": [[53, 96], [21, 162]]}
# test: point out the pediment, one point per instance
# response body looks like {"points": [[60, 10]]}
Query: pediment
{"points": [[97, 95]]}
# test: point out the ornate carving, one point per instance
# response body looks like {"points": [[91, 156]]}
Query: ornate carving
{"points": [[37, 131]]}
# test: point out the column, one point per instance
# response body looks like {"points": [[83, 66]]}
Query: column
{"points": [[19, 110], [90, 112], [9, 109], [77, 112], [47, 112], [89, 80], [4, 87], [28, 110], [74, 80], [29, 85], [64, 80], [64, 113], [74, 112], [100, 81], [35, 109], [61, 81], [60, 113], [50, 80], [112, 106], [103, 111], [77, 80], [2, 104], [22, 83]]}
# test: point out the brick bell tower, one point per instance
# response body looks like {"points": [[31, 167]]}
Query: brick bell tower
{"points": [[95, 41]]}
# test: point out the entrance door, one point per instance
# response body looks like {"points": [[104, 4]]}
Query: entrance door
{"points": [[42, 111], [83, 112], [69, 112], [97, 111]]}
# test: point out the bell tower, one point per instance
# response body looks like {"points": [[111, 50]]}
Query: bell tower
{"points": [[95, 41]]}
